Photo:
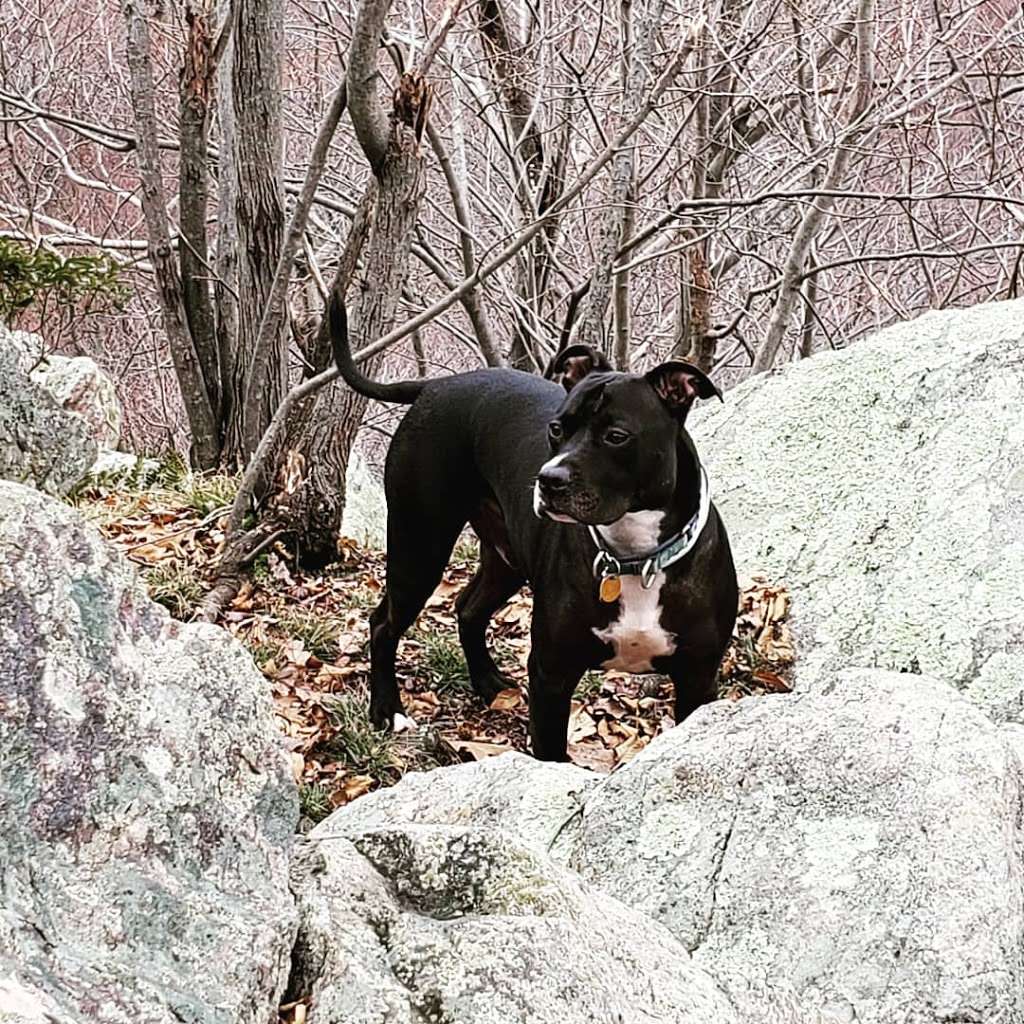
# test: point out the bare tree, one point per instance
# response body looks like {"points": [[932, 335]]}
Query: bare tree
{"points": [[741, 192]]}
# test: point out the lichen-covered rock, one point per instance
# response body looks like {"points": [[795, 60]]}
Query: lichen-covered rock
{"points": [[146, 808], [80, 386], [365, 516], [76, 382], [40, 443], [532, 800], [855, 851], [884, 485], [466, 926]]}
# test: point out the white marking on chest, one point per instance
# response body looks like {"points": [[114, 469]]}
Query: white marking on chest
{"points": [[636, 635]]}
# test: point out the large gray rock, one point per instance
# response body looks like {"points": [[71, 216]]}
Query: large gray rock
{"points": [[884, 486], [366, 513], [531, 800], [40, 443], [854, 852], [80, 386], [147, 811], [466, 926], [76, 382]]}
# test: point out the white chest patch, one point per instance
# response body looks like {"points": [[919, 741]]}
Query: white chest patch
{"points": [[636, 635]]}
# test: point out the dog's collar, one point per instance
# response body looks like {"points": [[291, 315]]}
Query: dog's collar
{"points": [[648, 566]]}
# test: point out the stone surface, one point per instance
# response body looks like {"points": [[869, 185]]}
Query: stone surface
{"points": [[80, 386], [884, 486], [76, 382], [147, 812], [457, 925], [532, 800], [365, 516], [853, 852], [40, 443]]}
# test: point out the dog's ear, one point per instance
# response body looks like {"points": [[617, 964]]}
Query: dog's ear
{"points": [[678, 384], [572, 364]]}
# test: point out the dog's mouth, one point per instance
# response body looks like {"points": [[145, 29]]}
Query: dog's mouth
{"points": [[577, 508]]}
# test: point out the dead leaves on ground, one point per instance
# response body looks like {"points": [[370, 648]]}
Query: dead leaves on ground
{"points": [[308, 635]]}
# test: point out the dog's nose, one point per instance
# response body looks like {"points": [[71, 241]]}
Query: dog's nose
{"points": [[554, 479]]}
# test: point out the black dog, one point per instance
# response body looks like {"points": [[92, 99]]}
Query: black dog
{"points": [[595, 496]]}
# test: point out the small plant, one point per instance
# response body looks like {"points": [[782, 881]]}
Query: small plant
{"points": [[176, 585], [318, 633], [261, 570], [207, 492], [314, 801], [590, 685], [173, 471], [356, 742], [42, 278], [467, 548], [442, 662]]}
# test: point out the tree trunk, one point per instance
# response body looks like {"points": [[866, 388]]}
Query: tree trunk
{"points": [[700, 345], [196, 93], [257, 155], [316, 508], [194, 393], [225, 285], [640, 22]]}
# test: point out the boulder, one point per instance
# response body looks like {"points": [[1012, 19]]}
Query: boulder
{"points": [[531, 800], [80, 386], [850, 853], [365, 515], [884, 486], [76, 382], [40, 442], [854, 852], [467, 926], [147, 812]]}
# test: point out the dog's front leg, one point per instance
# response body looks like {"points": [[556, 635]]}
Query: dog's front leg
{"points": [[551, 688], [695, 682]]}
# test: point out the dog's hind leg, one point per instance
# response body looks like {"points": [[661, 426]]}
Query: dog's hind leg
{"points": [[416, 560], [494, 583]]}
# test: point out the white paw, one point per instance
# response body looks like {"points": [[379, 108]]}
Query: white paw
{"points": [[403, 723]]}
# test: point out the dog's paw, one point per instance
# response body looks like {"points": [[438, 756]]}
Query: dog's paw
{"points": [[383, 715], [489, 686], [403, 723]]}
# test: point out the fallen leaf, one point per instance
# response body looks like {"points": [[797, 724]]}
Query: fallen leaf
{"points": [[508, 699], [594, 756], [478, 750]]}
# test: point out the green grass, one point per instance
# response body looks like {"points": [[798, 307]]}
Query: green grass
{"points": [[467, 548], [441, 661], [176, 585], [356, 742], [362, 598], [314, 801], [318, 633], [590, 685], [201, 492]]}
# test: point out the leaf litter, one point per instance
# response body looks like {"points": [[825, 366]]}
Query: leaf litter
{"points": [[308, 635]]}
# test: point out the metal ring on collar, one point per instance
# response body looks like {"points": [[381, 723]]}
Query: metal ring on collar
{"points": [[648, 574], [606, 564]]}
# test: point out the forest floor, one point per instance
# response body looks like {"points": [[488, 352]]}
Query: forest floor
{"points": [[308, 635]]}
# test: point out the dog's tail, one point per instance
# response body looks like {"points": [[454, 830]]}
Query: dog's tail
{"points": [[404, 391]]}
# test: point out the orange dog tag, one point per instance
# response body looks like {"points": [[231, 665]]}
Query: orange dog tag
{"points": [[611, 587]]}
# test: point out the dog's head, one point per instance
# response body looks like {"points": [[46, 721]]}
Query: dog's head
{"points": [[614, 438]]}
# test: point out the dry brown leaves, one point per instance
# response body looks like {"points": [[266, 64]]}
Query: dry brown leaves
{"points": [[308, 634]]}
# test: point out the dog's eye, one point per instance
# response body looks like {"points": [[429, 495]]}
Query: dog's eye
{"points": [[555, 430], [616, 437]]}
